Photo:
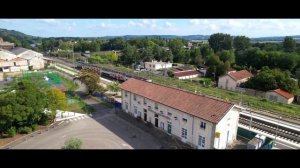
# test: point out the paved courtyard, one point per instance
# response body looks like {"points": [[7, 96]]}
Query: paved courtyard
{"points": [[103, 130]]}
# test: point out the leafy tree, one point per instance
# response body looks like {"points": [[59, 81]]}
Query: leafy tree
{"points": [[213, 60], [91, 79], [227, 55], [73, 143], [241, 43], [57, 99], [129, 55], [289, 44], [198, 60], [220, 41], [176, 46], [269, 79], [114, 87], [206, 51], [166, 56]]}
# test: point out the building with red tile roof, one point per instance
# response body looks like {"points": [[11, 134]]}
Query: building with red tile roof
{"points": [[232, 80], [181, 113], [280, 96]]}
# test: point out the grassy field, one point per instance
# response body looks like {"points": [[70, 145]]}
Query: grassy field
{"points": [[257, 103]]}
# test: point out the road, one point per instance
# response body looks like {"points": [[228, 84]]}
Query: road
{"points": [[104, 130]]}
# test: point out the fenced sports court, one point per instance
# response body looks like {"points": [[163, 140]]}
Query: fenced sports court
{"points": [[52, 78]]}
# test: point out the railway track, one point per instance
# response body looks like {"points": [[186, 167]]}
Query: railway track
{"points": [[272, 129]]}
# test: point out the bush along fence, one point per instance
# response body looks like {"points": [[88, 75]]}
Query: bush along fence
{"points": [[105, 98]]}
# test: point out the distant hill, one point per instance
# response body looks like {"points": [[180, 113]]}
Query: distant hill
{"points": [[20, 39], [188, 37], [24, 39]]}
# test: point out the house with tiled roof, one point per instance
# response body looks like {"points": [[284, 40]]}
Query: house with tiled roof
{"points": [[280, 96], [232, 80], [18, 59], [202, 122], [35, 59]]}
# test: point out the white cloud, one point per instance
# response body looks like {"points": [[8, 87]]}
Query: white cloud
{"points": [[169, 24], [195, 21], [48, 20], [8, 20]]}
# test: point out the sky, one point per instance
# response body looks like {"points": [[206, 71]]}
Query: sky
{"points": [[116, 27]]}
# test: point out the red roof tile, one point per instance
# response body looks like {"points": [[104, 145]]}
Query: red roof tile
{"points": [[284, 93], [240, 75], [186, 73], [200, 106]]}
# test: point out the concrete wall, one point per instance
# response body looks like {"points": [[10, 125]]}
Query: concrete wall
{"points": [[37, 63], [227, 128], [188, 77], [231, 83], [279, 97]]}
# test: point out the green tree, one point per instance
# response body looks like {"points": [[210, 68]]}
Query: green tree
{"points": [[227, 55], [213, 60], [73, 143], [56, 99], [220, 41], [114, 87], [129, 55], [269, 79], [176, 46], [206, 51], [289, 44], [241, 43], [91, 79]]}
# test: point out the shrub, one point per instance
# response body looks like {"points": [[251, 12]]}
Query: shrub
{"points": [[24, 130], [11, 131], [34, 127], [73, 143]]}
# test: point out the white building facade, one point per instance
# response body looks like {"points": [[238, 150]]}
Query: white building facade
{"points": [[155, 65], [209, 130]]}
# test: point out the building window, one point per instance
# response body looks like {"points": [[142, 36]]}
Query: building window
{"points": [[175, 118], [203, 125], [169, 114], [15, 64], [201, 141], [126, 106], [184, 133], [149, 107], [184, 119], [162, 125], [145, 101], [134, 97], [125, 93], [156, 106], [161, 112]]}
